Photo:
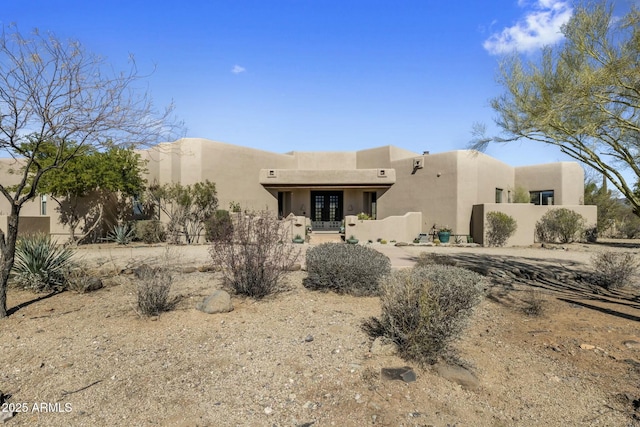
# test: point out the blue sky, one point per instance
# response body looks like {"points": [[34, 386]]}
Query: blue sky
{"points": [[309, 75]]}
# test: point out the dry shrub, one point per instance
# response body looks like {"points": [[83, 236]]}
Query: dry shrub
{"points": [[348, 269], [153, 287], [424, 309], [613, 270], [256, 256], [150, 231], [534, 304]]}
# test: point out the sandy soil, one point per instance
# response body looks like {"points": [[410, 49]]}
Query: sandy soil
{"points": [[89, 359]]}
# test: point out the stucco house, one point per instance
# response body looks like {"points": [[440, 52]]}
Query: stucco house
{"points": [[407, 193]]}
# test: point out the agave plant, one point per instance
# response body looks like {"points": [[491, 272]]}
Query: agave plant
{"points": [[122, 234], [40, 264]]}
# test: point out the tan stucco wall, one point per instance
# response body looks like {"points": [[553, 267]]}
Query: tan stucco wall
{"points": [[28, 224], [402, 228], [526, 216], [566, 179]]}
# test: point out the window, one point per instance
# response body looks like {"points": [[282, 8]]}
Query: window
{"points": [[498, 195], [542, 197], [43, 205]]}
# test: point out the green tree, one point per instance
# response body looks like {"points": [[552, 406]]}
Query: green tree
{"points": [[56, 99], [186, 206], [581, 96], [610, 210], [90, 181]]}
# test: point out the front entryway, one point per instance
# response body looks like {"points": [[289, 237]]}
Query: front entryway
{"points": [[326, 210]]}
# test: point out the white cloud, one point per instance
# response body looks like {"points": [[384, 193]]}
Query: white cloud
{"points": [[238, 69], [540, 27]]}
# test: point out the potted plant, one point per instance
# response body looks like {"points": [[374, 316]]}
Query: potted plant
{"points": [[298, 239], [444, 233], [352, 240]]}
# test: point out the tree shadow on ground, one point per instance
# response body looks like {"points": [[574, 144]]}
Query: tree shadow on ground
{"points": [[22, 305], [616, 244], [569, 281]]}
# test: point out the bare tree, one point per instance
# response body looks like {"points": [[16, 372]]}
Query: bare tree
{"points": [[54, 96]]}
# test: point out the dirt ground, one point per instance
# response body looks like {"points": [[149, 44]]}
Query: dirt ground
{"points": [[300, 358]]}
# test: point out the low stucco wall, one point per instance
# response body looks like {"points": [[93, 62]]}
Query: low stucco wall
{"points": [[403, 228], [526, 216], [296, 225], [28, 224]]}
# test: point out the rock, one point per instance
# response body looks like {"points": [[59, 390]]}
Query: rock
{"points": [[402, 244], [188, 270], [5, 416], [458, 375], [383, 346], [295, 267], [631, 344], [408, 376], [217, 302], [268, 410], [93, 284], [405, 374], [587, 346], [308, 338]]}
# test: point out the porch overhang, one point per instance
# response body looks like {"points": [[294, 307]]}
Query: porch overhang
{"points": [[331, 178]]}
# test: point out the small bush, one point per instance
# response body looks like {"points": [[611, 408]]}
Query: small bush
{"points": [[349, 269], [40, 264], [534, 304], [150, 231], [364, 216], [613, 270], [500, 227], [560, 225], [424, 309], [153, 287], [218, 226], [256, 256]]}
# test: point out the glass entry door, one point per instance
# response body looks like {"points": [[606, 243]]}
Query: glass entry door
{"points": [[326, 210]]}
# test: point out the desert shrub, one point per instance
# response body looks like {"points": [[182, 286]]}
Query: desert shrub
{"points": [[256, 256], [500, 227], [560, 225], [150, 231], [429, 258], [152, 290], [40, 264], [78, 279], [121, 234], [218, 226], [364, 216], [613, 270], [534, 304], [349, 269], [424, 309]]}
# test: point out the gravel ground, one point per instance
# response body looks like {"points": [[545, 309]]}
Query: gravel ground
{"points": [[300, 358]]}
